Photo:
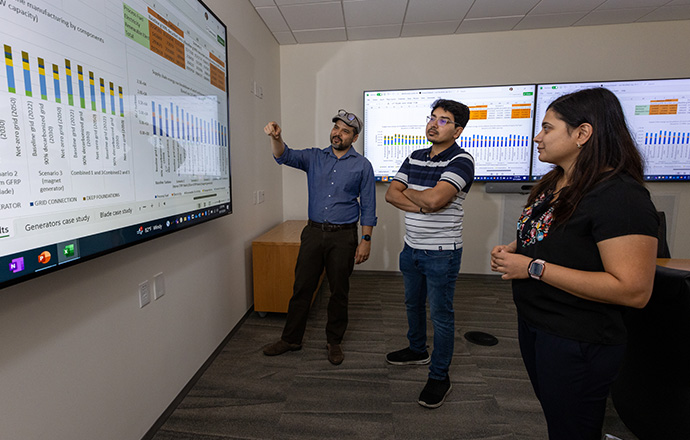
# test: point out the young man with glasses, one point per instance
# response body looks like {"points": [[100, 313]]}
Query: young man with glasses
{"points": [[430, 187], [337, 176]]}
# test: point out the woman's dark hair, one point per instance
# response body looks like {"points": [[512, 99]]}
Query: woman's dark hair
{"points": [[609, 148], [461, 113]]}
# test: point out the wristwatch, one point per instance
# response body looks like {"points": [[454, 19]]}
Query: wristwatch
{"points": [[366, 237], [536, 268]]}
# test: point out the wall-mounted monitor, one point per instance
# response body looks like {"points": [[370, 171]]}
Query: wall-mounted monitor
{"points": [[114, 127], [658, 115], [498, 135]]}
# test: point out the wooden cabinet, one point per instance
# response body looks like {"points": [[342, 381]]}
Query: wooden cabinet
{"points": [[274, 255], [674, 263]]}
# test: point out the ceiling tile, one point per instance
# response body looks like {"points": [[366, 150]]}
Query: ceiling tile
{"points": [[419, 11], [666, 13], [500, 8], [299, 2], [373, 32], [320, 35], [613, 16], [314, 16], [565, 6], [488, 24], [258, 3], [374, 12], [273, 19], [307, 21], [431, 28], [533, 21], [629, 4], [284, 37]]}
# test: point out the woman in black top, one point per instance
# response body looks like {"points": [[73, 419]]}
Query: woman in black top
{"points": [[585, 248]]}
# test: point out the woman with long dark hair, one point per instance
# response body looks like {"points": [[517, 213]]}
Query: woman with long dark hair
{"points": [[585, 249]]}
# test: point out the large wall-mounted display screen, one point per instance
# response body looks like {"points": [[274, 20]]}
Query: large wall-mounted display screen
{"points": [[657, 113], [505, 119], [498, 134], [114, 127]]}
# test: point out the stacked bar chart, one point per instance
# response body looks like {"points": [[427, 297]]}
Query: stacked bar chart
{"points": [[657, 113], [188, 144], [481, 141], [56, 83], [663, 137], [9, 68], [493, 151], [27, 74], [666, 152], [56, 140], [114, 121], [497, 134], [33, 68], [404, 139]]}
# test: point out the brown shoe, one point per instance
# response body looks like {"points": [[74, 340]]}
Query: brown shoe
{"points": [[335, 354], [280, 347]]}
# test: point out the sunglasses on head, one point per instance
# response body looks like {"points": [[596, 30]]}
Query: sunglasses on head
{"points": [[347, 115]]}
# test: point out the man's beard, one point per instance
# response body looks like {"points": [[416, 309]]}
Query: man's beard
{"points": [[341, 146]]}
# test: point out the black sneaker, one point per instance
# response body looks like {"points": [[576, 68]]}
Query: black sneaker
{"points": [[408, 357], [435, 392]]}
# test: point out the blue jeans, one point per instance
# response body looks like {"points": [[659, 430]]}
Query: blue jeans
{"points": [[431, 274]]}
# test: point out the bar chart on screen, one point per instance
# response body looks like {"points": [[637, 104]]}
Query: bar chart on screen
{"points": [[662, 131], [65, 125], [657, 112], [498, 133], [114, 124]]}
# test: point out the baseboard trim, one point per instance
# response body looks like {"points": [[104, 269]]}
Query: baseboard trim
{"points": [[187, 388]]}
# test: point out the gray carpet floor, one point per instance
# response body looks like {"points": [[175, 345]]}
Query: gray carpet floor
{"points": [[300, 395]]}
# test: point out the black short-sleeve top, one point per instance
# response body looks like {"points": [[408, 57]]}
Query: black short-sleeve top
{"points": [[615, 207]]}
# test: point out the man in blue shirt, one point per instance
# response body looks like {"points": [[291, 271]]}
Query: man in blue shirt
{"points": [[336, 177], [430, 187]]}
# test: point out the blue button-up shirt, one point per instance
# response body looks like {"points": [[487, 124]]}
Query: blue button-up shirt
{"points": [[336, 184]]}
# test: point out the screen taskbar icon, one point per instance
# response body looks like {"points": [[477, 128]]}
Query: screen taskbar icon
{"points": [[17, 265], [44, 257], [68, 251]]}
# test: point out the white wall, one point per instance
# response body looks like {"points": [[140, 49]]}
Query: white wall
{"points": [[318, 79], [80, 359]]}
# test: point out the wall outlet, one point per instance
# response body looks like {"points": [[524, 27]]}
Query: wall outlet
{"points": [[144, 294], [158, 285], [261, 196]]}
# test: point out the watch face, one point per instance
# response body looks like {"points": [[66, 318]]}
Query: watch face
{"points": [[536, 268]]}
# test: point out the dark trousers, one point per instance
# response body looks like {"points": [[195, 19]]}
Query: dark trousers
{"points": [[571, 380], [334, 251]]}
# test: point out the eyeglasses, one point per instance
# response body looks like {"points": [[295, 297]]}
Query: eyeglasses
{"points": [[440, 121], [347, 115]]}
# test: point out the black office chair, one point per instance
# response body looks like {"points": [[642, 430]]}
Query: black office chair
{"points": [[662, 250], [652, 391]]}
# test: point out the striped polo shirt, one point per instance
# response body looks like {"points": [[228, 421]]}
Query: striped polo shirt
{"points": [[440, 230]]}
